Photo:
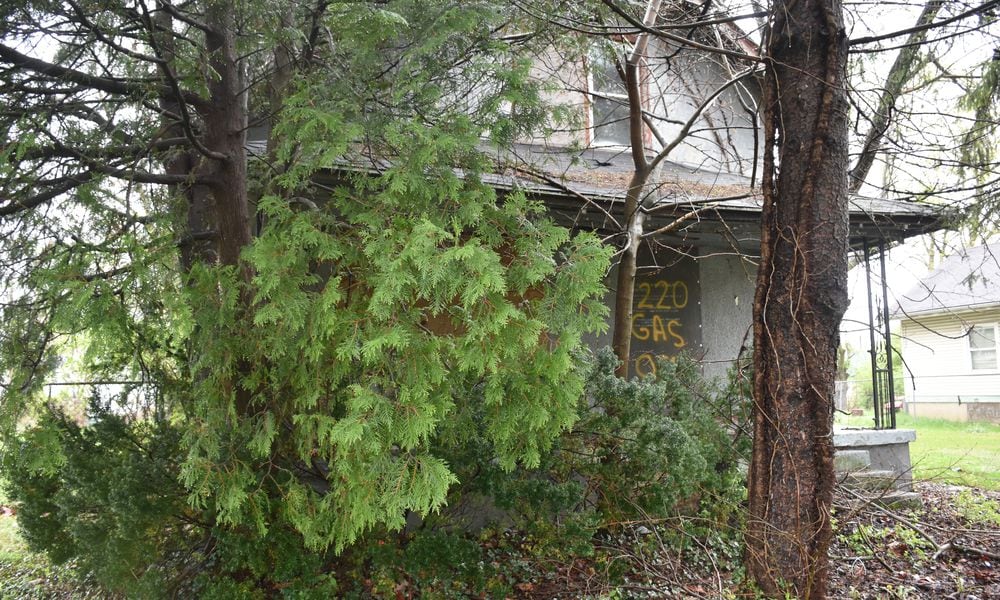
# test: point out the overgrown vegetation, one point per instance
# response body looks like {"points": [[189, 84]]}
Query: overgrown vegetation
{"points": [[318, 324], [107, 496], [978, 511]]}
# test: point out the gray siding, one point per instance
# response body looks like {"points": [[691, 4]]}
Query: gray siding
{"points": [[727, 284]]}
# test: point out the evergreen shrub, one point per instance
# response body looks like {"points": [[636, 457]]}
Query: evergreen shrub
{"points": [[108, 496], [641, 450]]}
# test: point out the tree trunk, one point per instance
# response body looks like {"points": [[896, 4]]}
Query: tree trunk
{"points": [[634, 218], [800, 299], [225, 134], [621, 341]]}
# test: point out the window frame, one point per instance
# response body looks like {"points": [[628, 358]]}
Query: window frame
{"points": [[592, 59], [996, 348]]}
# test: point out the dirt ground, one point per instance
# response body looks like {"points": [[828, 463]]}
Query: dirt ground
{"points": [[948, 549]]}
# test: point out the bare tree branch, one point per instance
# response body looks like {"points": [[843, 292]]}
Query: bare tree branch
{"points": [[104, 84]]}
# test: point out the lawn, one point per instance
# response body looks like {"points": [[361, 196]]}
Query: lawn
{"points": [[949, 452]]}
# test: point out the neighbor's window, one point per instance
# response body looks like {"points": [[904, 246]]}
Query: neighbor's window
{"points": [[983, 347], [608, 102]]}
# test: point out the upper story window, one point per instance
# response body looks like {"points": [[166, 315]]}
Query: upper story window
{"points": [[608, 103], [983, 347]]}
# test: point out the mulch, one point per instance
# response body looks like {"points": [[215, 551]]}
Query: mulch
{"points": [[948, 549]]}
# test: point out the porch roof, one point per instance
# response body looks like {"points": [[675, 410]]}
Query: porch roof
{"points": [[585, 188]]}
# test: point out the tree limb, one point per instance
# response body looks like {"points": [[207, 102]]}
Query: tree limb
{"points": [[900, 73], [104, 84], [982, 8]]}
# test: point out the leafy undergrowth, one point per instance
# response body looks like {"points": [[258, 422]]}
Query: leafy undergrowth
{"points": [[31, 577], [947, 549], [26, 575], [950, 548]]}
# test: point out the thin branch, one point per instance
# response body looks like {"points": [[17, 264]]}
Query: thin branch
{"points": [[19, 205], [104, 84], [969, 13], [682, 135], [567, 189], [86, 22], [677, 222], [173, 12], [679, 39]]}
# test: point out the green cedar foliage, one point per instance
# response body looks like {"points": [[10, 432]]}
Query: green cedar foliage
{"points": [[389, 295], [106, 496], [377, 312], [641, 451], [979, 148]]}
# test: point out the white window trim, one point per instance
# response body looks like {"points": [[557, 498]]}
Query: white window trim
{"points": [[996, 348], [592, 125]]}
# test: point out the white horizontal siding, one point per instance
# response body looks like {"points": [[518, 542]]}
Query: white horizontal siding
{"points": [[938, 366]]}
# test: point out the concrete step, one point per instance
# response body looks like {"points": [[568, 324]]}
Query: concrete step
{"points": [[871, 480], [850, 461]]}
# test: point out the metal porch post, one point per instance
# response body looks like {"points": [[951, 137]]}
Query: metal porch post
{"points": [[890, 391], [871, 336]]}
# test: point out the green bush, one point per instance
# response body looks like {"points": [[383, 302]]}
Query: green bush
{"points": [[649, 448], [641, 450], [106, 496]]}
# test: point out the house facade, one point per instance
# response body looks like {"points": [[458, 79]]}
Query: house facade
{"points": [[697, 262], [697, 265], [950, 329]]}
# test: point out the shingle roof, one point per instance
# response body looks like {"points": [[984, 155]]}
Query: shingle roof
{"points": [[570, 178], [967, 279], [603, 174]]}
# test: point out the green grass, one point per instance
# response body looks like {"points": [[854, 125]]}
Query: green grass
{"points": [[948, 452]]}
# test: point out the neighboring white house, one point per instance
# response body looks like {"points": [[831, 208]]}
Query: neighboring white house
{"points": [[949, 338]]}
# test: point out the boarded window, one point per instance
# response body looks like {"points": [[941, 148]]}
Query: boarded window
{"points": [[666, 308], [983, 347]]}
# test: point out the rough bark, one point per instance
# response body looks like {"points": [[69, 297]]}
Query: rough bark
{"points": [[225, 134], [800, 299]]}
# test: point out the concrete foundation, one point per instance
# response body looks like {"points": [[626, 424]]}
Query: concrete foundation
{"points": [[964, 412]]}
